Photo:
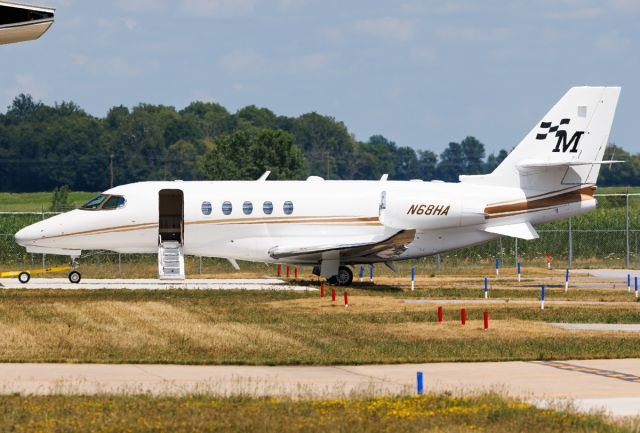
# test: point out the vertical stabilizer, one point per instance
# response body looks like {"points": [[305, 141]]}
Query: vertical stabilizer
{"points": [[564, 149]]}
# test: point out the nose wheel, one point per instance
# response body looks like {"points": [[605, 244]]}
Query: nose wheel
{"points": [[75, 277], [24, 277]]}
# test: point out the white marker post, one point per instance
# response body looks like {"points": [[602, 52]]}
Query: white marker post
{"points": [[628, 283], [566, 281], [486, 288], [542, 298], [371, 273], [636, 284], [497, 267], [361, 272], [413, 278], [518, 271]]}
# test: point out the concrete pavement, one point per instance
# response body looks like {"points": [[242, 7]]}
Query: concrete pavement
{"points": [[589, 384], [154, 284]]}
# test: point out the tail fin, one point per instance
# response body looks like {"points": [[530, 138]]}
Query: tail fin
{"points": [[564, 149]]}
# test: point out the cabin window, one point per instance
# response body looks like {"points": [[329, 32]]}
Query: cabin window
{"points": [[227, 208], [206, 208], [288, 208], [247, 207], [267, 207]]}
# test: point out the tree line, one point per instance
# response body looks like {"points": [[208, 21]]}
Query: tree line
{"points": [[43, 147]]}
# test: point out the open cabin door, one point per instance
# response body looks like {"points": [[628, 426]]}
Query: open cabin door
{"points": [[171, 234], [171, 214]]}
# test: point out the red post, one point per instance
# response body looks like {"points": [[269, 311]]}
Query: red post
{"points": [[295, 272], [346, 299], [333, 294], [322, 290], [279, 271], [486, 320], [288, 271], [463, 316], [440, 314]]}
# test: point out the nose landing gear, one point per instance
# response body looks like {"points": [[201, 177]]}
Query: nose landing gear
{"points": [[74, 275]]}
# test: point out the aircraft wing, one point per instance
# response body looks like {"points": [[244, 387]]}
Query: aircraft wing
{"points": [[386, 249]]}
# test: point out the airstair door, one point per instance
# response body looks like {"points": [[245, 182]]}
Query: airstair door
{"points": [[171, 234]]}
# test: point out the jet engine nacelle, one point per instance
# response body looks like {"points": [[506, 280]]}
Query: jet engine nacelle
{"points": [[430, 212]]}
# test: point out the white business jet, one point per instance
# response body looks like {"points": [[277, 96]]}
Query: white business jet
{"points": [[334, 225]]}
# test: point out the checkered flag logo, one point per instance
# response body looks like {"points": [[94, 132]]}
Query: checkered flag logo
{"points": [[548, 128]]}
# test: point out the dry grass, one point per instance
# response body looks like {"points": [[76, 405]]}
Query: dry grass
{"points": [[430, 413], [285, 328]]}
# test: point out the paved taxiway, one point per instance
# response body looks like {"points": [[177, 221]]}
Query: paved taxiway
{"points": [[154, 284], [612, 385]]}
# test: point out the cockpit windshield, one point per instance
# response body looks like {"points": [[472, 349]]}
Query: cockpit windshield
{"points": [[104, 202]]}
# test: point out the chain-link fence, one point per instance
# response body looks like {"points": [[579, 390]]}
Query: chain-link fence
{"points": [[609, 236]]}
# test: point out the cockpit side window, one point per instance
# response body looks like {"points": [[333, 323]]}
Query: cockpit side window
{"points": [[104, 202], [95, 202], [114, 202]]}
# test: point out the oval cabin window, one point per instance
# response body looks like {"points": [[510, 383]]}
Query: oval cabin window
{"points": [[206, 208], [267, 207], [288, 208], [227, 208], [247, 207]]}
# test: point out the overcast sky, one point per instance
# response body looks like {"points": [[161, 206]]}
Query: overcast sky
{"points": [[421, 73]]}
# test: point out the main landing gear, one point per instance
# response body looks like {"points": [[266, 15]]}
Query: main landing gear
{"points": [[344, 277]]}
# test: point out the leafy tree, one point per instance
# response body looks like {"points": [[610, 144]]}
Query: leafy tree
{"points": [[44, 146], [625, 173], [327, 145], [247, 154], [473, 155], [494, 160], [427, 165], [452, 163], [60, 199]]}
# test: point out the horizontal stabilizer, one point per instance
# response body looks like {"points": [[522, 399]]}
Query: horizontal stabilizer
{"points": [[550, 164], [388, 248], [519, 230]]}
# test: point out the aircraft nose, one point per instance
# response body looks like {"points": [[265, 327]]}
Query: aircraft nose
{"points": [[27, 236]]}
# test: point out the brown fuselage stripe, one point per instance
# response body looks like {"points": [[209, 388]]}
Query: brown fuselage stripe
{"points": [[360, 221], [516, 208]]}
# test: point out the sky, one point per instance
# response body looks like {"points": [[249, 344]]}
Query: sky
{"points": [[420, 72]]}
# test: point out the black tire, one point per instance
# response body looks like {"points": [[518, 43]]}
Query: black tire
{"points": [[75, 277], [24, 277], [344, 277]]}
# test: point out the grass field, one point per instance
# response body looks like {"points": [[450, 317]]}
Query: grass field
{"points": [[269, 328], [37, 201], [441, 413]]}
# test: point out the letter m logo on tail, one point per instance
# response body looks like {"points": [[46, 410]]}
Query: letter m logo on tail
{"points": [[564, 146], [561, 135]]}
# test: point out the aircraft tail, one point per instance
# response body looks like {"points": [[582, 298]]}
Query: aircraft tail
{"points": [[564, 149]]}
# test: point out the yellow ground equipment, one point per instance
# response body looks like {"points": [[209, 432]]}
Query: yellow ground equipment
{"points": [[25, 276]]}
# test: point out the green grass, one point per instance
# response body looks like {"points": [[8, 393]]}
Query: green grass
{"points": [[430, 413], [37, 201], [273, 328]]}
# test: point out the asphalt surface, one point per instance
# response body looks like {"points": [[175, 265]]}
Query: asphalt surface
{"points": [[610, 385]]}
